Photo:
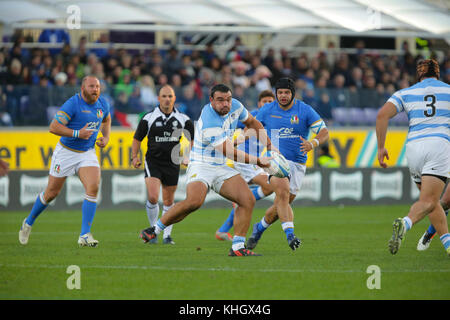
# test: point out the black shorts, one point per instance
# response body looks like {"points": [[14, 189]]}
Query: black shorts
{"points": [[167, 173]]}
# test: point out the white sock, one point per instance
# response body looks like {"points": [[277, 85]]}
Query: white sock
{"points": [[152, 212], [167, 230], [264, 223], [287, 225], [238, 243], [408, 223], [260, 193]]}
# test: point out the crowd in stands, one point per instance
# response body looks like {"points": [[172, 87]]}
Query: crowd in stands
{"points": [[34, 82]]}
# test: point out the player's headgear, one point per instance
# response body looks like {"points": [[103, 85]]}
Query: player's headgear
{"points": [[286, 83], [427, 68]]}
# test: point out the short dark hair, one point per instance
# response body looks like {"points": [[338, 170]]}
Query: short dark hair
{"points": [[265, 94], [219, 87]]}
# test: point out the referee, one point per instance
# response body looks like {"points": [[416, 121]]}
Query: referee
{"points": [[163, 128]]}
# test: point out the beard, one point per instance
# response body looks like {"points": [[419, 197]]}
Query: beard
{"points": [[91, 98]]}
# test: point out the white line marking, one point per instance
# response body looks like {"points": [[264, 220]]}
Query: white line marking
{"points": [[44, 266]]}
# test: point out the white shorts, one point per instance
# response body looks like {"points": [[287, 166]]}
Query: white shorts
{"points": [[66, 163], [249, 171], [211, 175], [297, 173], [429, 156]]}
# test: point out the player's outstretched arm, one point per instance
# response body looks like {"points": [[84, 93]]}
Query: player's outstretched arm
{"points": [[258, 129], [228, 149], [384, 114]]}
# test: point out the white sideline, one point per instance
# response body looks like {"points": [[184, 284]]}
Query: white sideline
{"points": [[44, 266]]}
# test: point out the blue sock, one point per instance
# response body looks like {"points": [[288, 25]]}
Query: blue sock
{"points": [[228, 224], [431, 229], [262, 225], [38, 207], [88, 212], [288, 228], [258, 193]]}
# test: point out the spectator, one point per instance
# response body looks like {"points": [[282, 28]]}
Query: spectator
{"points": [[309, 97], [103, 40], [59, 93], [148, 94], [54, 36], [324, 108], [261, 78], [135, 104], [124, 86], [5, 118], [239, 77], [189, 103], [38, 104], [338, 94], [172, 63]]}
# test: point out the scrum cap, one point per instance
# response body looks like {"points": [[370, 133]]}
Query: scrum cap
{"points": [[286, 83]]}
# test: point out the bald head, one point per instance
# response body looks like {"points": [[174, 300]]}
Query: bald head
{"points": [[166, 98]]}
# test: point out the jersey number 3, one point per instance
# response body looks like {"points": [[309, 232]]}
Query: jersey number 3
{"points": [[431, 105]]}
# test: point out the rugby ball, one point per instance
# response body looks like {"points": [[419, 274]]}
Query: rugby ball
{"points": [[279, 166]]}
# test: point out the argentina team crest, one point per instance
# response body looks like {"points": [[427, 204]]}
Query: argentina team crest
{"points": [[294, 119], [99, 113]]}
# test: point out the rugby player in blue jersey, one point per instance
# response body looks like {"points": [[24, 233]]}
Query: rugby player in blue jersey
{"points": [[77, 122], [208, 169], [288, 122], [251, 173]]}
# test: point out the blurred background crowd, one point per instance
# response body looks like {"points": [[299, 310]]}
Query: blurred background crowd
{"points": [[35, 82]]}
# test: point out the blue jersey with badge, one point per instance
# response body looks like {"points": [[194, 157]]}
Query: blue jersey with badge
{"points": [[79, 114], [251, 145], [284, 127]]}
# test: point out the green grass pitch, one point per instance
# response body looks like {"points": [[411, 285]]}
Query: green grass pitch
{"points": [[339, 244]]}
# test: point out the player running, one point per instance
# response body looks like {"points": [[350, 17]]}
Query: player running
{"points": [[288, 122], [78, 122], [252, 174], [207, 168], [427, 104]]}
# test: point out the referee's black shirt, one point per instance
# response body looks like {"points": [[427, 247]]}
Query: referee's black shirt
{"points": [[163, 133]]}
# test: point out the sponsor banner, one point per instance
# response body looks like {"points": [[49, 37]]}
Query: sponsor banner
{"points": [[311, 187], [30, 187], [4, 191], [75, 191], [126, 189], [32, 150], [346, 186], [386, 185]]}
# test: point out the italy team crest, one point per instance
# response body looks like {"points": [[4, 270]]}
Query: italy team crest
{"points": [[99, 113], [294, 119], [57, 168]]}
